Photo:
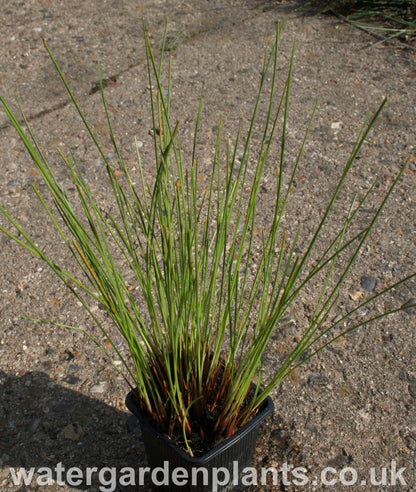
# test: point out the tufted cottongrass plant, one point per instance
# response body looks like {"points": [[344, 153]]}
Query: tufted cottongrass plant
{"points": [[206, 305]]}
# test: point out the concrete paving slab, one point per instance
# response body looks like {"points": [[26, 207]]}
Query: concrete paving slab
{"points": [[353, 405], [83, 32]]}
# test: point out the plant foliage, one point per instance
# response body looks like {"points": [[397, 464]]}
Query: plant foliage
{"points": [[207, 304], [390, 19]]}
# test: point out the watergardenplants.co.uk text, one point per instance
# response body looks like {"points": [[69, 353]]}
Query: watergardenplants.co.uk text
{"points": [[111, 479]]}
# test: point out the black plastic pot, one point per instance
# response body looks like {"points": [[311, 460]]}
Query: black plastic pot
{"points": [[233, 454]]}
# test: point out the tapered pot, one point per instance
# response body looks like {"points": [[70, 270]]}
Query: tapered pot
{"points": [[220, 469]]}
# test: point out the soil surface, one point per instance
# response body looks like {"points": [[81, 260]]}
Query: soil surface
{"points": [[351, 406]]}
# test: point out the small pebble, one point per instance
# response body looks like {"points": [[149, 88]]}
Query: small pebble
{"points": [[368, 283], [12, 182], [99, 388], [280, 438], [387, 337], [72, 431], [412, 390], [132, 423], [63, 406], [356, 295], [410, 305], [317, 380], [46, 426], [403, 376], [339, 461], [71, 379], [311, 428], [33, 425]]}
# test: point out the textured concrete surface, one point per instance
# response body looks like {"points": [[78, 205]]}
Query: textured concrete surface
{"points": [[354, 405]]}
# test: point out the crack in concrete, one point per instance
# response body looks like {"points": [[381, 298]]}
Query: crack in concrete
{"points": [[108, 81]]}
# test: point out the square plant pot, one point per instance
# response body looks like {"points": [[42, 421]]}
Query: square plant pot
{"points": [[220, 469]]}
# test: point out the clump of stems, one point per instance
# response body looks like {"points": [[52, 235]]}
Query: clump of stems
{"points": [[207, 305], [386, 18]]}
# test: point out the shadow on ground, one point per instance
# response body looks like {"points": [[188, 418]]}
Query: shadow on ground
{"points": [[43, 424]]}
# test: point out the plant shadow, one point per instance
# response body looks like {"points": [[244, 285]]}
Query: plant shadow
{"points": [[43, 424]]}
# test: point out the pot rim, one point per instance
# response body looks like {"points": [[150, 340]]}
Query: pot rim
{"points": [[265, 410]]}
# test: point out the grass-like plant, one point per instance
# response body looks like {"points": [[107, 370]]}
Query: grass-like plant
{"points": [[387, 18], [206, 304]]}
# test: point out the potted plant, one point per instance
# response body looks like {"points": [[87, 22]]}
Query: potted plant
{"points": [[212, 282]]}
